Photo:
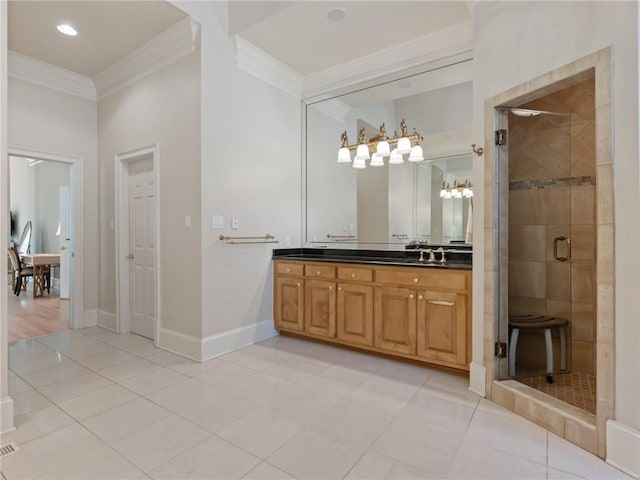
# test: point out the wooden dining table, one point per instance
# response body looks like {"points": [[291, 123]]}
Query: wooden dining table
{"points": [[40, 261]]}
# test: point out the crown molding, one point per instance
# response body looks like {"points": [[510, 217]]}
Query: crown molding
{"points": [[334, 108], [174, 43], [449, 42], [259, 63], [47, 75]]}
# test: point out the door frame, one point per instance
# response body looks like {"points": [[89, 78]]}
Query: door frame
{"points": [[508, 393], [76, 194], [122, 233]]}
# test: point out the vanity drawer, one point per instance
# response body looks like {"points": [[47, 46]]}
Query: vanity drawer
{"points": [[357, 274], [441, 279], [283, 268], [319, 271]]}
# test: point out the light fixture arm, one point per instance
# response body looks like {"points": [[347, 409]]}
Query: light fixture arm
{"points": [[372, 143]]}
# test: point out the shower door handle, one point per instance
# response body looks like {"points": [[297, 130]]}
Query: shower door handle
{"points": [[556, 241]]}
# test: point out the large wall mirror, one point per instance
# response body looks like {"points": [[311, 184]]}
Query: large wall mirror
{"points": [[393, 205]]}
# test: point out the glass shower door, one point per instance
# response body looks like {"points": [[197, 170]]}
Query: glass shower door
{"points": [[536, 310]]}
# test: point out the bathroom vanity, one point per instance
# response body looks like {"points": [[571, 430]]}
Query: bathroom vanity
{"points": [[389, 302]]}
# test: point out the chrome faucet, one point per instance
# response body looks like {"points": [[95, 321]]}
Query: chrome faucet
{"points": [[442, 252], [432, 257]]}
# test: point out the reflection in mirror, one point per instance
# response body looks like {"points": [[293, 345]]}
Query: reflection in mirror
{"points": [[25, 240], [393, 204], [444, 211]]}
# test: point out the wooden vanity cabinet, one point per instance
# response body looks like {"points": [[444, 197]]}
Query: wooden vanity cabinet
{"points": [[289, 304], [442, 326], [413, 312], [355, 313], [395, 319], [320, 308]]}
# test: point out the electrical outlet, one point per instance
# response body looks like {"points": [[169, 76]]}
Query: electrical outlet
{"points": [[235, 223], [287, 241], [187, 221]]}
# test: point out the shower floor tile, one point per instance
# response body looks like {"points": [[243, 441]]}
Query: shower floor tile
{"points": [[575, 388]]}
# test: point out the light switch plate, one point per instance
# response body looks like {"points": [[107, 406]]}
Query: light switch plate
{"points": [[235, 222], [187, 221], [287, 241], [217, 221]]}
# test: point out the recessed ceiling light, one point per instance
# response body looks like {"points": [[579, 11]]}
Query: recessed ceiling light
{"points": [[67, 29], [336, 14]]}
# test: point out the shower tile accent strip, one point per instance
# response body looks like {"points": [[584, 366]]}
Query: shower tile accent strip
{"points": [[552, 182]]}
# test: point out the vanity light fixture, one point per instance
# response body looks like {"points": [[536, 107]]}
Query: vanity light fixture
{"points": [[382, 146], [67, 29], [458, 190]]}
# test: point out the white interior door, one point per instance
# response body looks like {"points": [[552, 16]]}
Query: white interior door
{"points": [[64, 238], [142, 234]]}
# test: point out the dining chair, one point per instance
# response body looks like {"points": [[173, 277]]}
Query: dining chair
{"points": [[19, 270]]}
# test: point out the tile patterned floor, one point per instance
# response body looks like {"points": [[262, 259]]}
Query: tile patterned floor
{"points": [[575, 388], [93, 404]]}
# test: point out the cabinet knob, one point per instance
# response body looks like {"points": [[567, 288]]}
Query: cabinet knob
{"points": [[353, 275], [288, 270], [339, 289], [318, 272], [411, 295], [420, 297], [415, 280], [299, 284], [330, 288]]}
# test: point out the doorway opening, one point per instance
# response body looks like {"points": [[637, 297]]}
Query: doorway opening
{"points": [[138, 249], [549, 270], [45, 226], [552, 245]]}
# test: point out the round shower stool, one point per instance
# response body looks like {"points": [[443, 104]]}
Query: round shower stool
{"points": [[538, 322]]}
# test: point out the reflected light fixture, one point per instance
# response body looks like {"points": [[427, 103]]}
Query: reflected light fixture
{"points": [[382, 146], [458, 190], [67, 29], [525, 112]]}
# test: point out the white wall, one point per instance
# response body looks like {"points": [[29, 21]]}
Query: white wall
{"points": [[49, 121], [50, 176], [35, 197], [6, 403], [162, 108], [517, 41], [250, 169], [331, 186], [22, 188]]}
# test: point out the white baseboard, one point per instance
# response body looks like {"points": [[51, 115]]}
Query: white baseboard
{"points": [[180, 343], [477, 378], [207, 348], [107, 320], [90, 318], [225, 342], [6, 415], [623, 448]]}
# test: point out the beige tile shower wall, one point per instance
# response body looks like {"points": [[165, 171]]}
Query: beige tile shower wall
{"points": [[538, 284]]}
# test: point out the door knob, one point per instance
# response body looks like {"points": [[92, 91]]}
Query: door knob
{"points": [[62, 247], [130, 256]]}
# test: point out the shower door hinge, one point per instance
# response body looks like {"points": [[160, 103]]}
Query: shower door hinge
{"points": [[500, 350], [501, 137]]}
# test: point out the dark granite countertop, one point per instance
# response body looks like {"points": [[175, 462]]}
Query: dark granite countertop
{"points": [[456, 259]]}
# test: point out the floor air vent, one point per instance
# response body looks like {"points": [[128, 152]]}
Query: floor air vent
{"points": [[8, 449]]}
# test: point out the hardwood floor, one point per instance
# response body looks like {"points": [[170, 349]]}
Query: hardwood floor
{"points": [[33, 317]]}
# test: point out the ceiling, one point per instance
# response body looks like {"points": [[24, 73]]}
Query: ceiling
{"points": [[297, 33], [107, 30]]}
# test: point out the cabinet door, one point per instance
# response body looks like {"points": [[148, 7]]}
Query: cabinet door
{"points": [[320, 308], [395, 319], [355, 313], [442, 326], [289, 303]]}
